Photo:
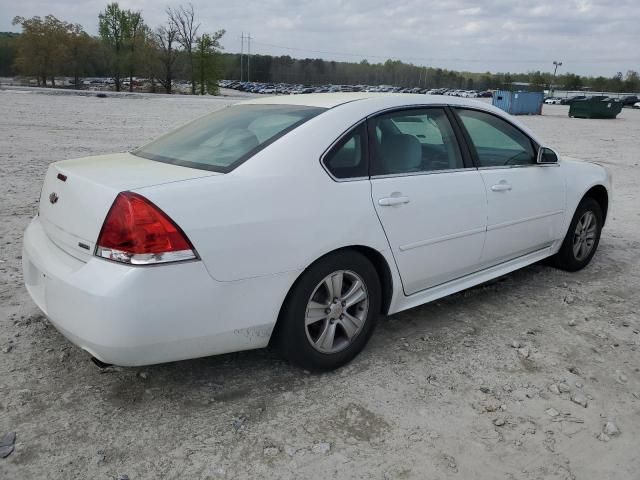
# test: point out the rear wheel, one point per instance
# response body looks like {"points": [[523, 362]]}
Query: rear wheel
{"points": [[330, 312], [583, 237]]}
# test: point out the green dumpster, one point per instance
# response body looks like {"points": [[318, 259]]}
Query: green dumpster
{"points": [[595, 107]]}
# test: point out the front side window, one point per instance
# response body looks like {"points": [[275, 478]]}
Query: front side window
{"points": [[224, 139], [348, 158], [496, 141], [414, 141]]}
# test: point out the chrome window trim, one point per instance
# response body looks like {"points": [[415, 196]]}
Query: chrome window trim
{"points": [[528, 165], [344, 180], [425, 172], [407, 107]]}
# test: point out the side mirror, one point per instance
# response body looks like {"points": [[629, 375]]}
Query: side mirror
{"points": [[546, 155]]}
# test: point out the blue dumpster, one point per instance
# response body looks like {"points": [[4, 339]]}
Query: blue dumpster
{"points": [[519, 103]]}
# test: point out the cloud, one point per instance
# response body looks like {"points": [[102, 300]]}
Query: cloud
{"points": [[589, 36]]}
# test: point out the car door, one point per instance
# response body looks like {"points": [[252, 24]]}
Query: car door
{"points": [[526, 200], [429, 198]]}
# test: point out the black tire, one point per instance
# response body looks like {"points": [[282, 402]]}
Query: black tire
{"points": [[291, 333], [566, 259]]}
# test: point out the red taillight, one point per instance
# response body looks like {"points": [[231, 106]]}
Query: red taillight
{"points": [[135, 231]]}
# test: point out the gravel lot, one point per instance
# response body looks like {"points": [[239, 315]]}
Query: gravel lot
{"points": [[477, 385]]}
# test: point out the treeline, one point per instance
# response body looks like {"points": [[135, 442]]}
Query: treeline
{"points": [[275, 69], [126, 47], [177, 50]]}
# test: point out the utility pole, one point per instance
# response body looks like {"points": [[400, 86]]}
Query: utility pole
{"points": [[241, 53], [556, 65], [248, 56]]}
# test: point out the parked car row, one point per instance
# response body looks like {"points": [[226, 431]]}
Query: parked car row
{"points": [[294, 89], [627, 100]]}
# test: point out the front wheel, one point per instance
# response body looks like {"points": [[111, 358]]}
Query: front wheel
{"points": [[330, 312], [583, 237]]}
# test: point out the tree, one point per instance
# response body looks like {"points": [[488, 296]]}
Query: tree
{"points": [[41, 47], [115, 30], [616, 82], [134, 39], [166, 38], [632, 81], [8, 50], [572, 81], [599, 84], [80, 49], [148, 56], [183, 20], [206, 66]]}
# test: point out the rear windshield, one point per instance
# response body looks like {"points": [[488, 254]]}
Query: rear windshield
{"points": [[224, 139]]}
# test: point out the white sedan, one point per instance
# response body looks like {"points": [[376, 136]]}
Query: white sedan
{"points": [[297, 221]]}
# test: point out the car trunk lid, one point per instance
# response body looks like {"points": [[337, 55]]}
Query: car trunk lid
{"points": [[78, 193]]}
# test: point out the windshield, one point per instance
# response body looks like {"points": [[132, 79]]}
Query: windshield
{"points": [[224, 139]]}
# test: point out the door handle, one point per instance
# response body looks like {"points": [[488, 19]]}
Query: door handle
{"points": [[501, 187], [391, 201]]}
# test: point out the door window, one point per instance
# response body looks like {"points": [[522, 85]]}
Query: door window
{"points": [[496, 141], [410, 141]]}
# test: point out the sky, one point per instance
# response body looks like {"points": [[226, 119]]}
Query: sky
{"points": [[590, 37]]}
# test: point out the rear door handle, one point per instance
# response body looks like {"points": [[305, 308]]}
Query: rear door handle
{"points": [[501, 187], [391, 201]]}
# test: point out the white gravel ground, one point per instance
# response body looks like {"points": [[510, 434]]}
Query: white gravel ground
{"points": [[440, 392]]}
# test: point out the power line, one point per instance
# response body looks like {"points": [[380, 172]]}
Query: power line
{"points": [[447, 59]]}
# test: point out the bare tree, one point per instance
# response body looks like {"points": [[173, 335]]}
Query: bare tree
{"points": [[183, 20], [167, 37]]}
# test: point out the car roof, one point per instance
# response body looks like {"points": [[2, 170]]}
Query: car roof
{"points": [[331, 100], [323, 100], [372, 102]]}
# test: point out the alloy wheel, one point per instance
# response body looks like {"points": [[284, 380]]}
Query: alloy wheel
{"points": [[584, 236], [336, 311]]}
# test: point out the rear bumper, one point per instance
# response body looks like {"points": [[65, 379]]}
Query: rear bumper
{"points": [[144, 315]]}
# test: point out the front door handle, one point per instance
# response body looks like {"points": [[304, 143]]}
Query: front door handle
{"points": [[501, 187], [391, 201]]}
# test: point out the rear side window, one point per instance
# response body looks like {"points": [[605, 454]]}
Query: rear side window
{"points": [[224, 139], [496, 141], [348, 157]]}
